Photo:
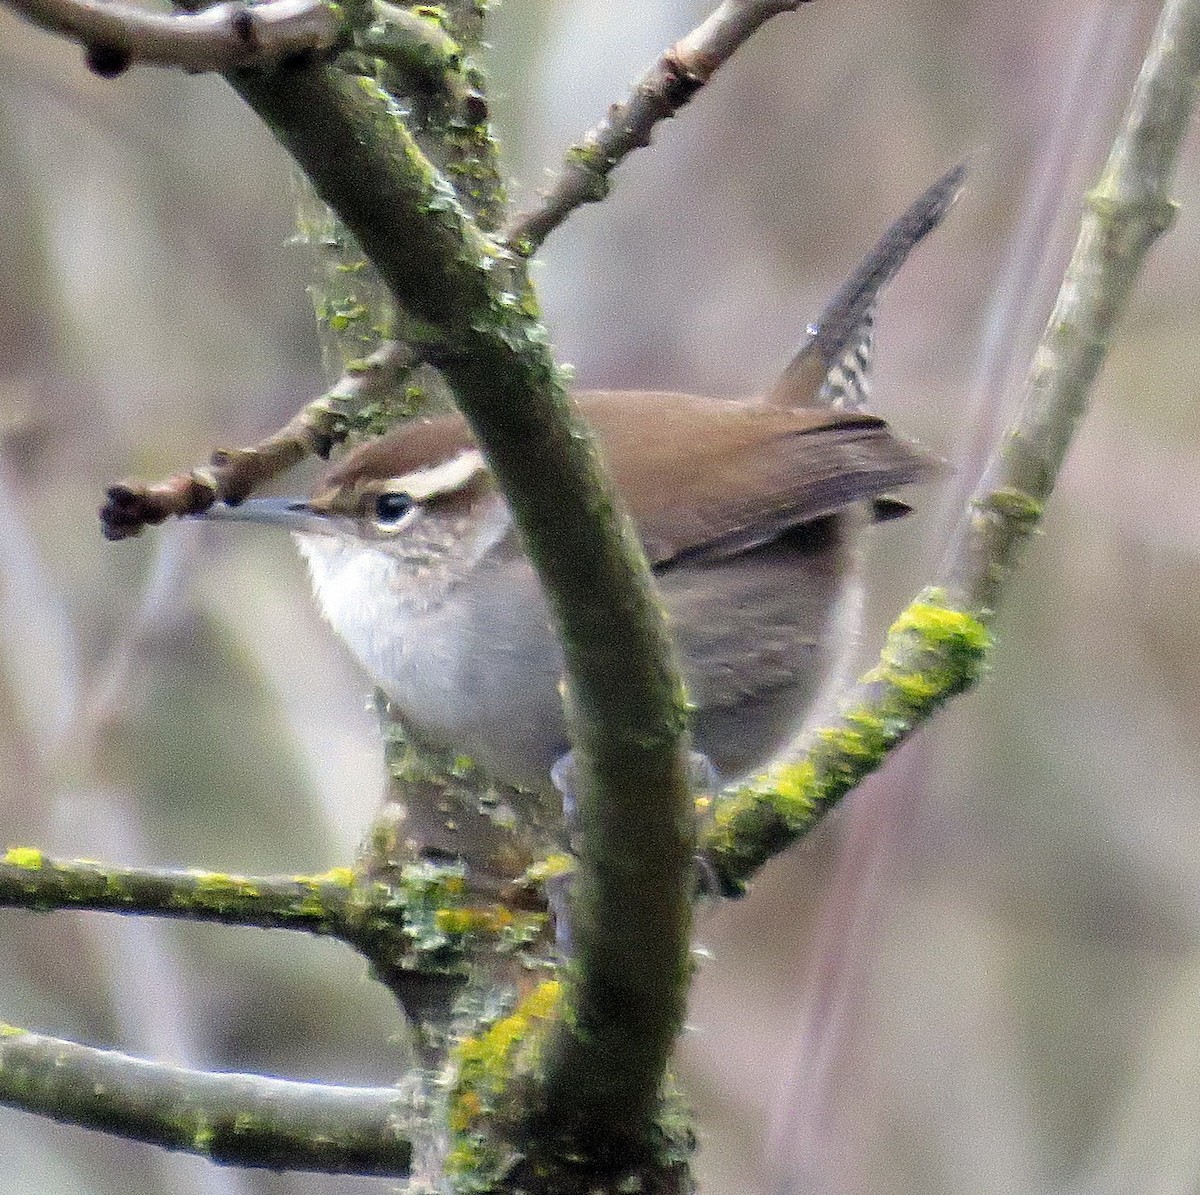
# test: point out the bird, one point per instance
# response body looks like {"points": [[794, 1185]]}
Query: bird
{"points": [[748, 511]]}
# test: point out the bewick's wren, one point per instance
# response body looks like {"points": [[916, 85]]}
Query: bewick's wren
{"points": [[746, 510]]}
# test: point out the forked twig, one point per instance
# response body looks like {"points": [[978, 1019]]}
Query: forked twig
{"points": [[234, 473]]}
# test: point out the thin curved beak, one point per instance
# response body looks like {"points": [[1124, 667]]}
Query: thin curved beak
{"points": [[290, 513]]}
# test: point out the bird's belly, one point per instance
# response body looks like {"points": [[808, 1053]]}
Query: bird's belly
{"points": [[479, 672], [755, 637], [758, 635], [471, 666], [494, 694]]}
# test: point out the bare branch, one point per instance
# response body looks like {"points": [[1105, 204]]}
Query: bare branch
{"points": [[234, 473], [1124, 215], [669, 84], [938, 646], [221, 38], [231, 1119]]}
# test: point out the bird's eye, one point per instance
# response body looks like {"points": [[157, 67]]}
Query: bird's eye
{"points": [[392, 507]]}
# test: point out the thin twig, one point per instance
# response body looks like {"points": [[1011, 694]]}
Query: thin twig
{"points": [[938, 646], [223, 37], [231, 1119], [669, 84], [235, 473]]}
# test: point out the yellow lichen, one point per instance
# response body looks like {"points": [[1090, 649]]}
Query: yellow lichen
{"points": [[204, 1136], [343, 877], [216, 883], [794, 788], [27, 857], [484, 1062], [487, 920], [942, 624], [552, 867]]}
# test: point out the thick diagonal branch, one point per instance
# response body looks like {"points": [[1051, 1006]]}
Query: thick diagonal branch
{"points": [[625, 703]]}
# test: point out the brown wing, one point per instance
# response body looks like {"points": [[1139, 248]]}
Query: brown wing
{"points": [[708, 478]]}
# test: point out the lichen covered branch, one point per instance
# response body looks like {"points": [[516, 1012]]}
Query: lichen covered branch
{"points": [[412, 923], [316, 904], [416, 44], [938, 646], [665, 88], [231, 1119], [626, 705], [932, 652], [220, 38]]}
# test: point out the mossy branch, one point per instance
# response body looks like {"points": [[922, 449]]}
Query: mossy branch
{"points": [[416, 45], [625, 705], [938, 646], [418, 922], [231, 1119], [933, 651], [315, 904]]}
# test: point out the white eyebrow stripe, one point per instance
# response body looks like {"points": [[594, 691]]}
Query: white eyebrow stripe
{"points": [[438, 480]]}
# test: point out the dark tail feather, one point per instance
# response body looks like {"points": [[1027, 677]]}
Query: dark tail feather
{"points": [[847, 318]]}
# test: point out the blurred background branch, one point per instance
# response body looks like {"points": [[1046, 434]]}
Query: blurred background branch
{"points": [[230, 1119]]}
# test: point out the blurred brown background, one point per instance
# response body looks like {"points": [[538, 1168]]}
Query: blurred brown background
{"points": [[983, 974]]}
